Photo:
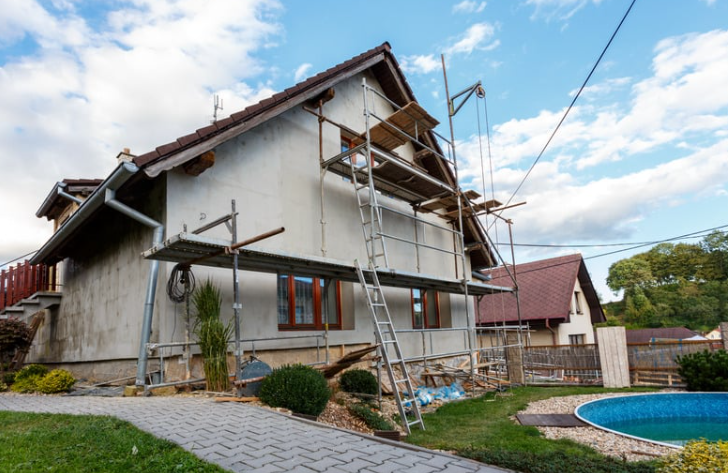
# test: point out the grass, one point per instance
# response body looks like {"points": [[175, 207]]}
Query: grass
{"points": [[80, 444], [482, 429]]}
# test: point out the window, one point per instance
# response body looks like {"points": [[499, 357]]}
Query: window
{"points": [[307, 303], [577, 339], [577, 303], [425, 309]]}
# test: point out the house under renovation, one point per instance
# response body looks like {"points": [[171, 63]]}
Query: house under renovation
{"points": [[329, 215]]}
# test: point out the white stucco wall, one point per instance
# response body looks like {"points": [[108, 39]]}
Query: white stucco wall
{"points": [[273, 173], [579, 323]]}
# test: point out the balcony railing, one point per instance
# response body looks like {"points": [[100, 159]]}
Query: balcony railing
{"points": [[23, 280]]}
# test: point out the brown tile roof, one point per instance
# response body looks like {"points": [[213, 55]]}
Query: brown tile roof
{"points": [[646, 335], [545, 291], [278, 100]]}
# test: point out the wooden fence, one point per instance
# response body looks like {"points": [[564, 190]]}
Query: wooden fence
{"points": [[23, 280], [650, 364]]}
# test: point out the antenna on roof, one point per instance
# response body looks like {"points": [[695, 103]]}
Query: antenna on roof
{"points": [[217, 106]]}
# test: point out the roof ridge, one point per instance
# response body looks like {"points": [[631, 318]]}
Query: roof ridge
{"points": [[234, 119]]}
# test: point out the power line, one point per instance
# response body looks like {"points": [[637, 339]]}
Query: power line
{"points": [[18, 258], [601, 245], [697, 234], [571, 105]]}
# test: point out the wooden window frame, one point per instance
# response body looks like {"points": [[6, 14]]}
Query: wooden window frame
{"points": [[425, 319], [318, 323]]}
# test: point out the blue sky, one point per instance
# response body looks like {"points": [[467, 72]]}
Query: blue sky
{"points": [[643, 156]]}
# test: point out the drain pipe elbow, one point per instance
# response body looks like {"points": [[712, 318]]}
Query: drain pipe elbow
{"points": [[110, 200]]}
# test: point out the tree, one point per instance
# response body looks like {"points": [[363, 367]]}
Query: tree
{"points": [[628, 274]]}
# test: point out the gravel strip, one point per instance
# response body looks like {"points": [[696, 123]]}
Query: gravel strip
{"points": [[605, 442]]}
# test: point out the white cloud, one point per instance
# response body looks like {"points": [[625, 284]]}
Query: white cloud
{"points": [[420, 64], [83, 95], [680, 114], [477, 36], [468, 6], [557, 9], [302, 72]]}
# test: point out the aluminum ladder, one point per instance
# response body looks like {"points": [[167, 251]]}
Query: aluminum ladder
{"points": [[389, 348], [370, 213]]}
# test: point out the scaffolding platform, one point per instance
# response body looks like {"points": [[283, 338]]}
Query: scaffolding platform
{"points": [[206, 251]]}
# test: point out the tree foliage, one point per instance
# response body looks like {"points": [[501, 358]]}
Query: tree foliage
{"points": [[673, 284]]}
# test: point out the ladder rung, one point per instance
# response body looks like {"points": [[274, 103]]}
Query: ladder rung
{"points": [[378, 304], [401, 381], [384, 323], [414, 422], [389, 341]]}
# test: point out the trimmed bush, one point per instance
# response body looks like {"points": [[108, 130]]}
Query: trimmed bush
{"points": [[56, 381], [299, 388], [359, 381], [26, 380], [31, 371], [697, 456], [372, 419], [3, 386], [704, 371]]}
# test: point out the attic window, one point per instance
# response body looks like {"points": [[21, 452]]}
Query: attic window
{"points": [[577, 303]]}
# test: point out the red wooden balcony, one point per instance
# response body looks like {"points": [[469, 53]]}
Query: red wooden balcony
{"points": [[23, 280]]}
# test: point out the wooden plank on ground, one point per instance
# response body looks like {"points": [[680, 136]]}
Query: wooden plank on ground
{"points": [[236, 399], [356, 356], [550, 420]]}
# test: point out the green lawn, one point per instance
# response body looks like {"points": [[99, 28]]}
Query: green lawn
{"points": [[482, 429], [79, 444]]}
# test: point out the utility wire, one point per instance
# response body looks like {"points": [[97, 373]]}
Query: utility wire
{"points": [[18, 258], [571, 105], [601, 245]]}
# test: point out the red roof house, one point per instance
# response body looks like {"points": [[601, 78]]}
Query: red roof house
{"points": [[556, 297]]}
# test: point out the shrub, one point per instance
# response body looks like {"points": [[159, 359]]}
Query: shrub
{"points": [[359, 381], [299, 388], [697, 456], [212, 336], [9, 378], [3, 386], [704, 371], [372, 419], [26, 380], [31, 371], [28, 384], [554, 462], [55, 382], [14, 334]]}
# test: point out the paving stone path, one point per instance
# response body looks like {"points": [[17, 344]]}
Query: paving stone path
{"points": [[244, 438]]}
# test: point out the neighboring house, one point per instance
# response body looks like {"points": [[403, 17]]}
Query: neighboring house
{"points": [[714, 334], [557, 301], [664, 334], [284, 161]]}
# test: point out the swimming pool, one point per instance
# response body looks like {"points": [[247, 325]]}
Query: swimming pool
{"points": [[670, 419]]}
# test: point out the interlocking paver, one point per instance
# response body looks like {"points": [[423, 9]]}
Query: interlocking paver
{"points": [[243, 438]]}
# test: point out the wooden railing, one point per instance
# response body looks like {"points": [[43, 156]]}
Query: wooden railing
{"points": [[23, 280]]}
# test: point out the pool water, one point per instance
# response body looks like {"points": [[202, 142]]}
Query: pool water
{"points": [[673, 418]]}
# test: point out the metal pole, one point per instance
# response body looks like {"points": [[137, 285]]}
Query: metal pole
{"points": [[450, 113], [236, 302]]}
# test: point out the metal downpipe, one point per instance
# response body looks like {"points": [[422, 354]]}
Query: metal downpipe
{"points": [[110, 200]]}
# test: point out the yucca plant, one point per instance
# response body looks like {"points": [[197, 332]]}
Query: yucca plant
{"points": [[212, 336]]}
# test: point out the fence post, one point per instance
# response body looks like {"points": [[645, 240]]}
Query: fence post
{"points": [[514, 359]]}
